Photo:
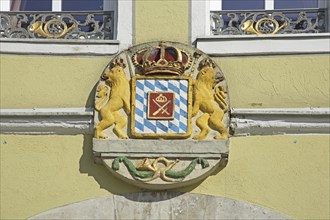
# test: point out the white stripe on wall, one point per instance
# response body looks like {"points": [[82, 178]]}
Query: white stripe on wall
{"points": [[261, 121], [280, 121], [46, 121]]}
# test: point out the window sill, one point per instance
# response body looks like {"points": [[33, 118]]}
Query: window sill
{"points": [[59, 47], [247, 45]]}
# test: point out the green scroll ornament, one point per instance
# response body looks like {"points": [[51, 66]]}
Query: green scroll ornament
{"points": [[168, 175]]}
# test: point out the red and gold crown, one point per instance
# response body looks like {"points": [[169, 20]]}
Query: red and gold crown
{"points": [[162, 59]]}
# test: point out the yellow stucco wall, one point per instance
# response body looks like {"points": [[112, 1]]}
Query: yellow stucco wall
{"points": [[49, 81], [278, 81], [161, 20], [289, 174], [42, 172], [267, 82]]}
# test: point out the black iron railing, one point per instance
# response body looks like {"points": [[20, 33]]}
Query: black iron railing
{"points": [[59, 25], [268, 22]]}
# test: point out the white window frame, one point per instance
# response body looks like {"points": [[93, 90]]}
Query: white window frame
{"points": [[123, 35], [232, 45], [4, 5]]}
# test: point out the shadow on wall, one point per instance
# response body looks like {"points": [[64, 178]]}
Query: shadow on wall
{"points": [[102, 176], [109, 182]]}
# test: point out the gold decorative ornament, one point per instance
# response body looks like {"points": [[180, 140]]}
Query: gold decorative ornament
{"points": [[163, 59], [161, 105], [208, 100], [58, 26], [159, 166], [196, 56], [118, 99], [262, 26]]}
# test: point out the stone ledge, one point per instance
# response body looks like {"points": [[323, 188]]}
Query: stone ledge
{"points": [[136, 148], [59, 47], [247, 45]]}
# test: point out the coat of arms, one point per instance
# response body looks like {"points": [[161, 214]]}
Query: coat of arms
{"points": [[162, 102]]}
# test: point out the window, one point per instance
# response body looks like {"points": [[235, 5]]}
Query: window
{"points": [[242, 5], [289, 4], [84, 5], [259, 27], [56, 5], [86, 20], [230, 17], [30, 5]]}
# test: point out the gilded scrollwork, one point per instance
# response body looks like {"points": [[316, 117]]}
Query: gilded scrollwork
{"points": [[262, 26], [51, 29], [119, 98], [159, 171], [210, 101]]}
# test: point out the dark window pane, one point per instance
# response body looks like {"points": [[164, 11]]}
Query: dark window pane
{"points": [[243, 4], [287, 4], [82, 5], [31, 5]]}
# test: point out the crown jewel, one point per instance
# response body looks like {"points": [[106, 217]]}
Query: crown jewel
{"points": [[162, 59], [161, 98], [117, 62], [207, 62]]}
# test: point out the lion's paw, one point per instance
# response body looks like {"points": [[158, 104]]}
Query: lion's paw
{"points": [[102, 136], [123, 137], [199, 137], [220, 137]]}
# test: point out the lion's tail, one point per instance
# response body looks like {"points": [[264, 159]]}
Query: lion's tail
{"points": [[220, 97]]}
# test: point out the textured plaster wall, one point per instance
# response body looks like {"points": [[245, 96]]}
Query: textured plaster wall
{"points": [[162, 20], [42, 172], [267, 82], [289, 174], [278, 81], [49, 81]]}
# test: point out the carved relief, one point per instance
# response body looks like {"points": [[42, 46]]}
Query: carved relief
{"points": [[169, 101], [159, 168], [207, 99], [118, 99]]}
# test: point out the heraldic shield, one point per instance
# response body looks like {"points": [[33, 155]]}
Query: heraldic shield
{"points": [[161, 107], [161, 116]]}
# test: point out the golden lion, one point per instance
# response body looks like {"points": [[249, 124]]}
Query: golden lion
{"points": [[119, 98], [208, 101]]}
